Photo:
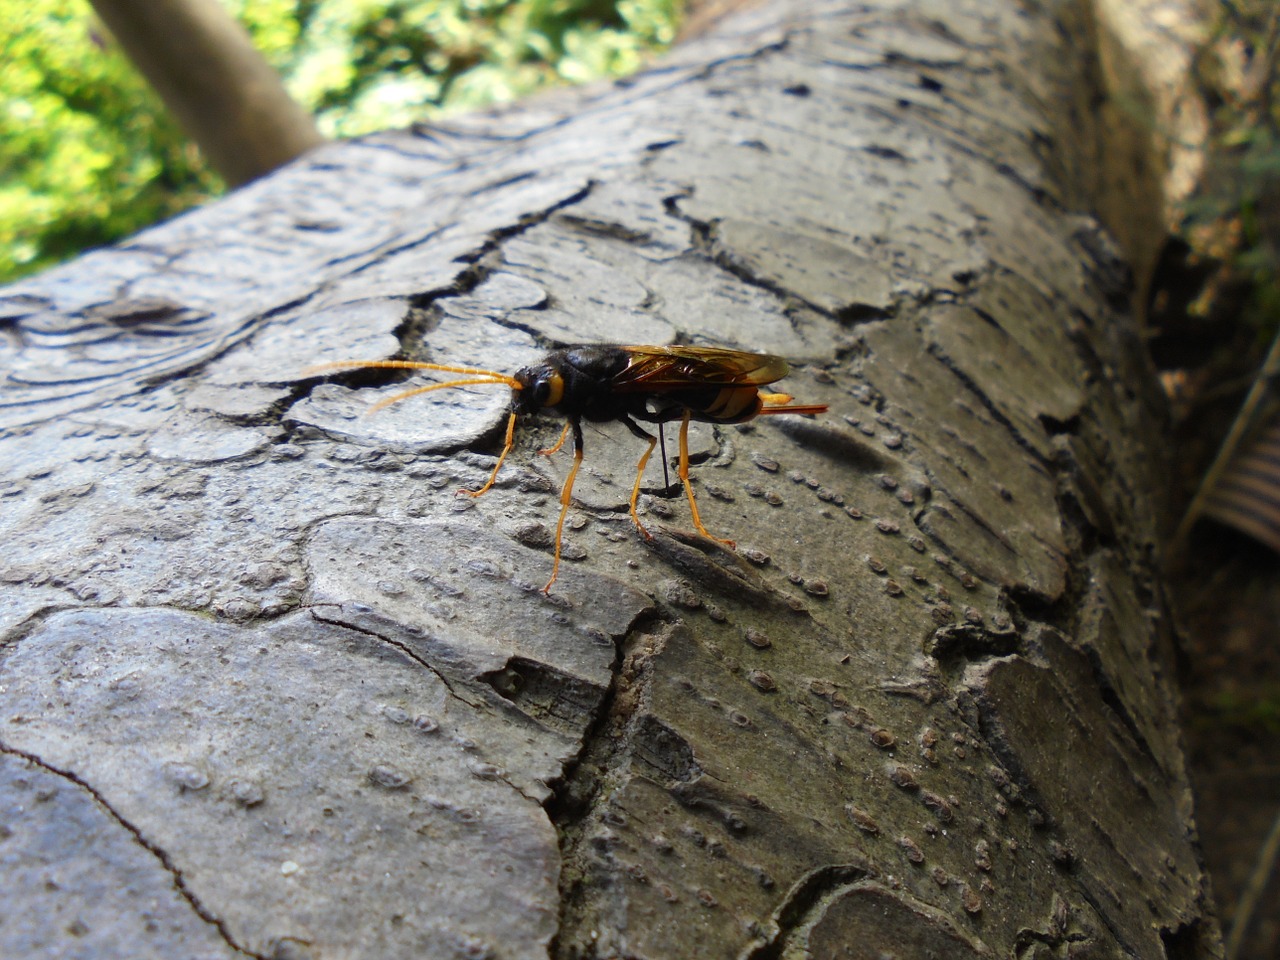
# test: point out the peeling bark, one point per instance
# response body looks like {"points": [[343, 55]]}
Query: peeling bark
{"points": [[271, 689]]}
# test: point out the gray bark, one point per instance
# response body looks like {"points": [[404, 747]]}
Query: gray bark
{"points": [[270, 688]]}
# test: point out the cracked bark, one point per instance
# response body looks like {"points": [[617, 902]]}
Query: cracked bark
{"points": [[269, 688]]}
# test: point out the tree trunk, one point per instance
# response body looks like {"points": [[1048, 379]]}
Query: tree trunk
{"points": [[271, 688], [214, 81]]}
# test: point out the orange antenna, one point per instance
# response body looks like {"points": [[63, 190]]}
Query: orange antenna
{"points": [[406, 394], [476, 375]]}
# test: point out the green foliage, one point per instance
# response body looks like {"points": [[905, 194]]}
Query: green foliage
{"points": [[88, 154], [371, 64], [1256, 711], [1236, 215]]}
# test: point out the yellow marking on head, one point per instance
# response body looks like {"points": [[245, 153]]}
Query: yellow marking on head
{"points": [[555, 390]]}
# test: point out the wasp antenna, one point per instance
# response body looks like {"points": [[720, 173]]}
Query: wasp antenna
{"points": [[493, 376], [406, 394]]}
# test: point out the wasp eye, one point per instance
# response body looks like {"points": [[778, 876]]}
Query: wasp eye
{"points": [[547, 390]]}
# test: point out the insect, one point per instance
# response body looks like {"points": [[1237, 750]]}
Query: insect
{"points": [[606, 382]]}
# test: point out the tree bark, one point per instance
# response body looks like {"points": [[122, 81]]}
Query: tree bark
{"points": [[271, 688]]}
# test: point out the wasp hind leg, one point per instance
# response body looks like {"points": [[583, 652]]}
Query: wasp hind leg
{"points": [[644, 461], [688, 488], [566, 495], [662, 446]]}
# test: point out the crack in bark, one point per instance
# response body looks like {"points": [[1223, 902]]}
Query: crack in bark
{"points": [[801, 900], [989, 405], [574, 794], [703, 239], [179, 881], [979, 521], [36, 619], [476, 273], [627, 686], [402, 647], [422, 662], [615, 740], [466, 281], [502, 777]]}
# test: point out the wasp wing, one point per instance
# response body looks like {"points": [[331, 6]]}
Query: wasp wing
{"points": [[655, 369]]}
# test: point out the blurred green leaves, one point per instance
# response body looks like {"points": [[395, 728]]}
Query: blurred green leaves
{"points": [[87, 154], [365, 65]]}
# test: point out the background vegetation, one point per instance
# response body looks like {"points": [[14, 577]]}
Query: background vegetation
{"points": [[88, 155]]}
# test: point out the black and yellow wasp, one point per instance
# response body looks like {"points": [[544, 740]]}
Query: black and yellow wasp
{"points": [[606, 382]]}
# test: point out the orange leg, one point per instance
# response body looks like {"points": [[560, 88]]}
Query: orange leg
{"points": [[511, 435], [558, 444], [635, 491], [688, 489], [566, 495]]}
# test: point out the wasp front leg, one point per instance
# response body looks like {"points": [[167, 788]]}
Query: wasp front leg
{"points": [[506, 448], [555, 448]]}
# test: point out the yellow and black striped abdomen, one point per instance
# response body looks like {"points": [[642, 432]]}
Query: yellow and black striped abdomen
{"points": [[724, 405]]}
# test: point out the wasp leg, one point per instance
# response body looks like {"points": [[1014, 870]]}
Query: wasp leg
{"points": [[558, 444], [511, 434], [662, 445], [688, 488], [644, 460], [565, 496]]}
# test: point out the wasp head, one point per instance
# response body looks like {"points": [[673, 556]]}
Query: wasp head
{"points": [[541, 387]]}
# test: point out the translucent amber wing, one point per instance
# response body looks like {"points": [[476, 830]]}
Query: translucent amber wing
{"points": [[655, 369]]}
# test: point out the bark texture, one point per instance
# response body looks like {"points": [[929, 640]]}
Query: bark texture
{"points": [[270, 688]]}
